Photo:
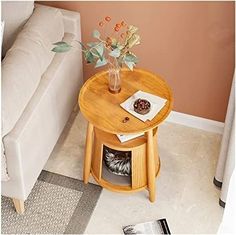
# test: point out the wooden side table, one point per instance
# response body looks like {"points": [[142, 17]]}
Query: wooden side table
{"points": [[105, 119]]}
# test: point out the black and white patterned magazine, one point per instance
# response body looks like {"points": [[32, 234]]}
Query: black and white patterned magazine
{"points": [[153, 227]]}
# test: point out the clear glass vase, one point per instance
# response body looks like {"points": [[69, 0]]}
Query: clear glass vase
{"points": [[114, 78]]}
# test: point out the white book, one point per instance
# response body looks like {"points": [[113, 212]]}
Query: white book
{"points": [[124, 138]]}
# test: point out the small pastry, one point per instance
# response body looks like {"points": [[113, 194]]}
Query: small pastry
{"points": [[142, 106]]}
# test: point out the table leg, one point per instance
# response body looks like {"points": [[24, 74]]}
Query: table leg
{"points": [[151, 165], [88, 152]]}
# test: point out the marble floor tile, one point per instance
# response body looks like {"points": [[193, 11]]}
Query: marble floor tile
{"points": [[186, 196]]}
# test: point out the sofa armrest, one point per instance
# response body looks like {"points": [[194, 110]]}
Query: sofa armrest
{"points": [[71, 21]]}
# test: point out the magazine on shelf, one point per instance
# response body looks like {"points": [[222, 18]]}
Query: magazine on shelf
{"points": [[153, 227], [124, 138]]}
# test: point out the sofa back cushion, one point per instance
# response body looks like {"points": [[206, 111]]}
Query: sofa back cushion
{"points": [[14, 14], [26, 61]]}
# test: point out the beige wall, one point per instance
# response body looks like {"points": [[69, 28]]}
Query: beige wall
{"points": [[190, 44]]}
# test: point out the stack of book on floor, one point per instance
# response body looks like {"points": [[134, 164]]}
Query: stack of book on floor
{"points": [[154, 227]]}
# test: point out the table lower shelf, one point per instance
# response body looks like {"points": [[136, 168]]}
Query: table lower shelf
{"points": [[122, 187], [137, 159]]}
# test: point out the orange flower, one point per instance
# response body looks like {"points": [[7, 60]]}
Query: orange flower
{"points": [[118, 25], [107, 18], [101, 23], [123, 23], [117, 29]]}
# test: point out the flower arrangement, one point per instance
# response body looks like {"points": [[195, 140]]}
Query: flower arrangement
{"points": [[114, 50]]}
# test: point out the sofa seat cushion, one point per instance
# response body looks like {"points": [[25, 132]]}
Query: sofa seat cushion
{"points": [[30, 143], [26, 61]]}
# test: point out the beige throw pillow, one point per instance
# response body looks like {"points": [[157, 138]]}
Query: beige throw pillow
{"points": [[26, 61], [15, 14]]}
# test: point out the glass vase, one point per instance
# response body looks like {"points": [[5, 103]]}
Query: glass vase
{"points": [[114, 78]]}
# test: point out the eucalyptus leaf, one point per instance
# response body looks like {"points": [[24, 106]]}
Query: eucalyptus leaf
{"points": [[120, 46], [96, 33], [101, 63], [115, 53], [132, 29], [92, 44], [131, 58], [98, 50], [89, 57], [61, 48], [133, 40], [61, 43], [82, 45], [95, 53], [114, 46], [130, 65]]}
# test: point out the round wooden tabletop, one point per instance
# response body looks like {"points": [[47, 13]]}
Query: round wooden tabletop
{"points": [[102, 108]]}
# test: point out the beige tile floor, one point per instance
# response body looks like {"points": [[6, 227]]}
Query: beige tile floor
{"points": [[185, 193]]}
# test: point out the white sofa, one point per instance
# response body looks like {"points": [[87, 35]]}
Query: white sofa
{"points": [[39, 92]]}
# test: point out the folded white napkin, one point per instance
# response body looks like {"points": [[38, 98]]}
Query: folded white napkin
{"points": [[157, 103]]}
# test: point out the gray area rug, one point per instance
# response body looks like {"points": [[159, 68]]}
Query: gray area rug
{"points": [[56, 205]]}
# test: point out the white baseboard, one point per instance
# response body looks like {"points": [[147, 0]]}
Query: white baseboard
{"points": [[196, 122]]}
